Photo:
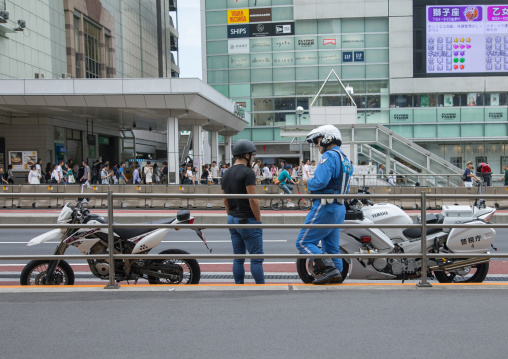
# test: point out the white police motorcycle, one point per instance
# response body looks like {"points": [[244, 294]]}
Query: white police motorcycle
{"points": [[361, 240], [126, 241]]}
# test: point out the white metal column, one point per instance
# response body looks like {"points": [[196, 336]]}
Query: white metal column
{"points": [[227, 149], [172, 148], [197, 147], [215, 146]]}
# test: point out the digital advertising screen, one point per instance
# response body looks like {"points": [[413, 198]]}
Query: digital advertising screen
{"points": [[460, 38]]}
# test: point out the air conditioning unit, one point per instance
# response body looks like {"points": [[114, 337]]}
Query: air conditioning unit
{"points": [[66, 76], [39, 76]]}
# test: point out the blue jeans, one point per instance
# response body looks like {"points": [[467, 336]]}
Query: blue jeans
{"points": [[308, 239], [287, 188], [248, 239]]}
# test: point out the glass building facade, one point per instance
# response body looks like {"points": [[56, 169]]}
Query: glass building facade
{"points": [[272, 72]]}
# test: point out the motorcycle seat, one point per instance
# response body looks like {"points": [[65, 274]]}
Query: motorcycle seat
{"points": [[126, 233], [417, 232]]}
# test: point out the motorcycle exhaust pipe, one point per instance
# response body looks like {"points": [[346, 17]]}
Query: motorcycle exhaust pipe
{"points": [[460, 264]]}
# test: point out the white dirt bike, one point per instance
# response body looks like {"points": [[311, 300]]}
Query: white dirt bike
{"points": [[126, 241], [399, 240]]}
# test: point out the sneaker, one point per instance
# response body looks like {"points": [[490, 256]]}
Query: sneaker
{"points": [[291, 205]]}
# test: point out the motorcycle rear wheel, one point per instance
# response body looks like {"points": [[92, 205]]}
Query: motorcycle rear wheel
{"points": [[308, 271], [473, 274], [190, 267], [34, 273]]}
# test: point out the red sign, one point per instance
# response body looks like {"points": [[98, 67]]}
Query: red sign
{"points": [[329, 41]]}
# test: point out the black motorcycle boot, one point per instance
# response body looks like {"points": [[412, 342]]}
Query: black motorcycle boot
{"points": [[331, 273]]}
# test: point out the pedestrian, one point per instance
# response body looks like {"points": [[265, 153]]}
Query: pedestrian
{"points": [[391, 179], [2, 176], [205, 175], [48, 175], [114, 179], [273, 170], [267, 174], [505, 178], [195, 176], [306, 170], [148, 171], [38, 168], [156, 174], [241, 179], [485, 172], [105, 174], [223, 170], [257, 171], [313, 167], [284, 180], [332, 176], [282, 167], [69, 174], [294, 173], [468, 175], [34, 176], [381, 171], [135, 175], [55, 176], [214, 171], [121, 174], [85, 178], [10, 175]]}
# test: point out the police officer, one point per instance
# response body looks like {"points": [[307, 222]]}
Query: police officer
{"points": [[241, 179], [332, 176]]}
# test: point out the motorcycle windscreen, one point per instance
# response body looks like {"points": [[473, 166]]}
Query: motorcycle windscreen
{"points": [[463, 240], [46, 237]]}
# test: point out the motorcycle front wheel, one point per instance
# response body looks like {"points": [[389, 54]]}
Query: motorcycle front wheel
{"points": [[472, 274], [35, 272], [308, 271], [187, 273]]}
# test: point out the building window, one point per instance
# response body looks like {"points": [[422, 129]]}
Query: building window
{"points": [[92, 50], [77, 48], [456, 161], [107, 52]]}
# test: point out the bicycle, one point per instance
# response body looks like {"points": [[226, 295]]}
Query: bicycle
{"points": [[303, 203]]}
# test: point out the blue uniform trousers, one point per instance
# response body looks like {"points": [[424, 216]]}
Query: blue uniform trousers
{"points": [[308, 238]]}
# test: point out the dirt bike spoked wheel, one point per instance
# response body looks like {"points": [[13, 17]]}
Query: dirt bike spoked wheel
{"points": [[304, 204], [308, 271], [35, 272], [184, 271], [472, 274], [276, 204]]}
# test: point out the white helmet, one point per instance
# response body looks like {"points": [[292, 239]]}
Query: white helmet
{"points": [[328, 133]]}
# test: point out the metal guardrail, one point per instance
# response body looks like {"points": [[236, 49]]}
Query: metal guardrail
{"points": [[112, 256]]}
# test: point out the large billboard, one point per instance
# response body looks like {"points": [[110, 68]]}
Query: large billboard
{"points": [[460, 38]]}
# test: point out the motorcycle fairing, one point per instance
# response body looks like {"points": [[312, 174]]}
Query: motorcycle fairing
{"points": [[45, 237], [148, 240], [467, 240]]}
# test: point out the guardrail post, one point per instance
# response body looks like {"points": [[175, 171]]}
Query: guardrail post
{"points": [[111, 244], [423, 239]]}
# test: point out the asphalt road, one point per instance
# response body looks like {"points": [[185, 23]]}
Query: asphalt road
{"points": [[406, 322]]}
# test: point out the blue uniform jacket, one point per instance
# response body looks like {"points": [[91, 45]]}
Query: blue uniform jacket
{"points": [[331, 170]]}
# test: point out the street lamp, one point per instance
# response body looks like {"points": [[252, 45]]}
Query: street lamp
{"points": [[299, 112]]}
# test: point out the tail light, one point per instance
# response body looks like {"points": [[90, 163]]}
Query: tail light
{"points": [[191, 220], [365, 239]]}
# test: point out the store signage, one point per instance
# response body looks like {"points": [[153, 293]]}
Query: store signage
{"points": [[284, 29], [359, 56], [329, 42], [306, 43], [239, 61], [22, 160], [238, 46], [347, 56], [260, 15], [261, 30], [238, 16], [449, 116], [235, 31], [261, 60], [329, 57], [258, 45]]}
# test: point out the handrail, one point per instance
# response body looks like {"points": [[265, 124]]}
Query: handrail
{"points": [[111, 225]]}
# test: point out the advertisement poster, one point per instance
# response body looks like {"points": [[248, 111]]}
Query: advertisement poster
{"points": [[238, 16], [467, 39], [22, 160]]}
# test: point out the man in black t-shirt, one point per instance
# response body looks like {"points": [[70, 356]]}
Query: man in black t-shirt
{"points": [[241, 179]]}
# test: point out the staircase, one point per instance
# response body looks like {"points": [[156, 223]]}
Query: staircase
{"points": [[184, 145]]}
